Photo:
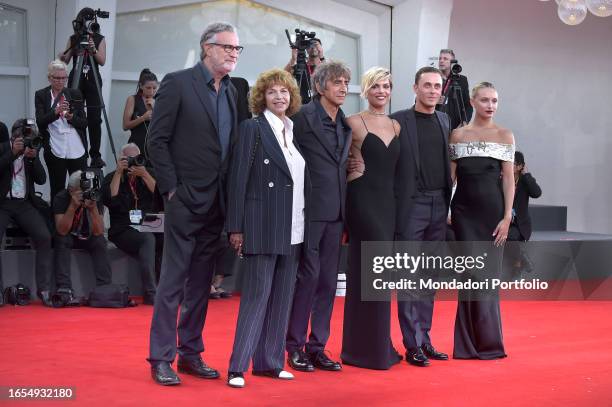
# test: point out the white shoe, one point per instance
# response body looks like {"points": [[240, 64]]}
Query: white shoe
{"points": [[236, 380], [285, 375]]}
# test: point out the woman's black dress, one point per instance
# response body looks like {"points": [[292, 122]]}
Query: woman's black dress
{"points": [[370, 211], [477, 208], [139, 133]]}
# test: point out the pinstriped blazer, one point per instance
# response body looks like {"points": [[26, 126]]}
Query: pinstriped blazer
{"points": [[260, 196]]}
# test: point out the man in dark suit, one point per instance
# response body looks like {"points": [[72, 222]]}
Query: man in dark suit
{"points": [[60, 116], [20, 168], [455, 98], [520, 228], [423, 189], [193, 128], [324, 136]]}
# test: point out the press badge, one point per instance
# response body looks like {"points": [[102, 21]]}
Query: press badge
{"points": [[135, 216]]}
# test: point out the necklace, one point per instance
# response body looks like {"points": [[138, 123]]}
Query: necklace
{"points": [[376, 113]]}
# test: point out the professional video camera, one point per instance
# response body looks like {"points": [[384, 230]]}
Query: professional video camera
{"points": [[29, 133], [89, 23], [455, 67], [90, 185], [138, 160], [304, 40]]}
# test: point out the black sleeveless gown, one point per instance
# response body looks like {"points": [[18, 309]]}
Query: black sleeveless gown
{"points": [[139, 133], [477, 208], [370, 212]]}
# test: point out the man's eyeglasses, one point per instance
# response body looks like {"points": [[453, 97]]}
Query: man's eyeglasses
{"points": [[228, 48]]}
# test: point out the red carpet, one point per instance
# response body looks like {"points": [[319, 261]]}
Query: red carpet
{"points": [[560, 354]]}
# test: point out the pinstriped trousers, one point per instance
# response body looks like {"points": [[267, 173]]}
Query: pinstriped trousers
{"points": [[265, 303]]}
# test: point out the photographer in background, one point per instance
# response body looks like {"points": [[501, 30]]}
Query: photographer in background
{"points": [[315, 57], [139, 108], [86, 24], [62, 122], [79, 225], [455, 99], [520, 228], [20, 168], [128, 194]]}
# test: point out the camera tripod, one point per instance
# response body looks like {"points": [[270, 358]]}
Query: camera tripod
{"points": [[80, 51], [302, 76], [454, 93]]}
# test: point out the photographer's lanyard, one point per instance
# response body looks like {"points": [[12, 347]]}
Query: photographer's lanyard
{"points": [[132, 183], [77, 217], [16, 185]]}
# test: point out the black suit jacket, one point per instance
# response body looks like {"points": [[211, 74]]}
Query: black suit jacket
{"points": [[327, 174], [260, 191], [526, 188], [45, 115], [184, 145], [34, 172], [242, 98], [409, 166]]}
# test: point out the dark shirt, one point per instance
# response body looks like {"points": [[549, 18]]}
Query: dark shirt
{"points": [[86, 66], [82, 217], [431, 152], [4, 134], [456, 99], [222, 119], [333, 130], [120, 205]]}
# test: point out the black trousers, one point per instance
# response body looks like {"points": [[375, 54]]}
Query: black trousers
{"points": [[59, 168], [190, 244], [95, 245], [265, 301], [315, 289], [142, 245], [31, 221], [426, 222], [87, 86]]}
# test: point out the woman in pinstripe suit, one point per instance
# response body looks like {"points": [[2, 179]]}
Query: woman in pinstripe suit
{"points": [[265, 222]]}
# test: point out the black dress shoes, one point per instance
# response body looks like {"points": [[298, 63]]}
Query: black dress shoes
{"points": [[197, 367], [321, 361], [299, 361], [432, 353], [416, 357], [163, 374]]}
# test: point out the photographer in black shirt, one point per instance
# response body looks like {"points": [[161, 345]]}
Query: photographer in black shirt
{"points": [[128, 194], [86, 22], [20, 168], [455, 97], [79, 224]]}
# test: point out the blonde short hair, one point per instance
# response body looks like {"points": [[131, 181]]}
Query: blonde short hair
{"points": [[267, 79], [373, 76], [481, 85], [56, 65]]}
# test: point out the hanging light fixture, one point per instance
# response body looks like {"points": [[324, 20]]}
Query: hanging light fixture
{"points": [[572, 12], [600, 8]]}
